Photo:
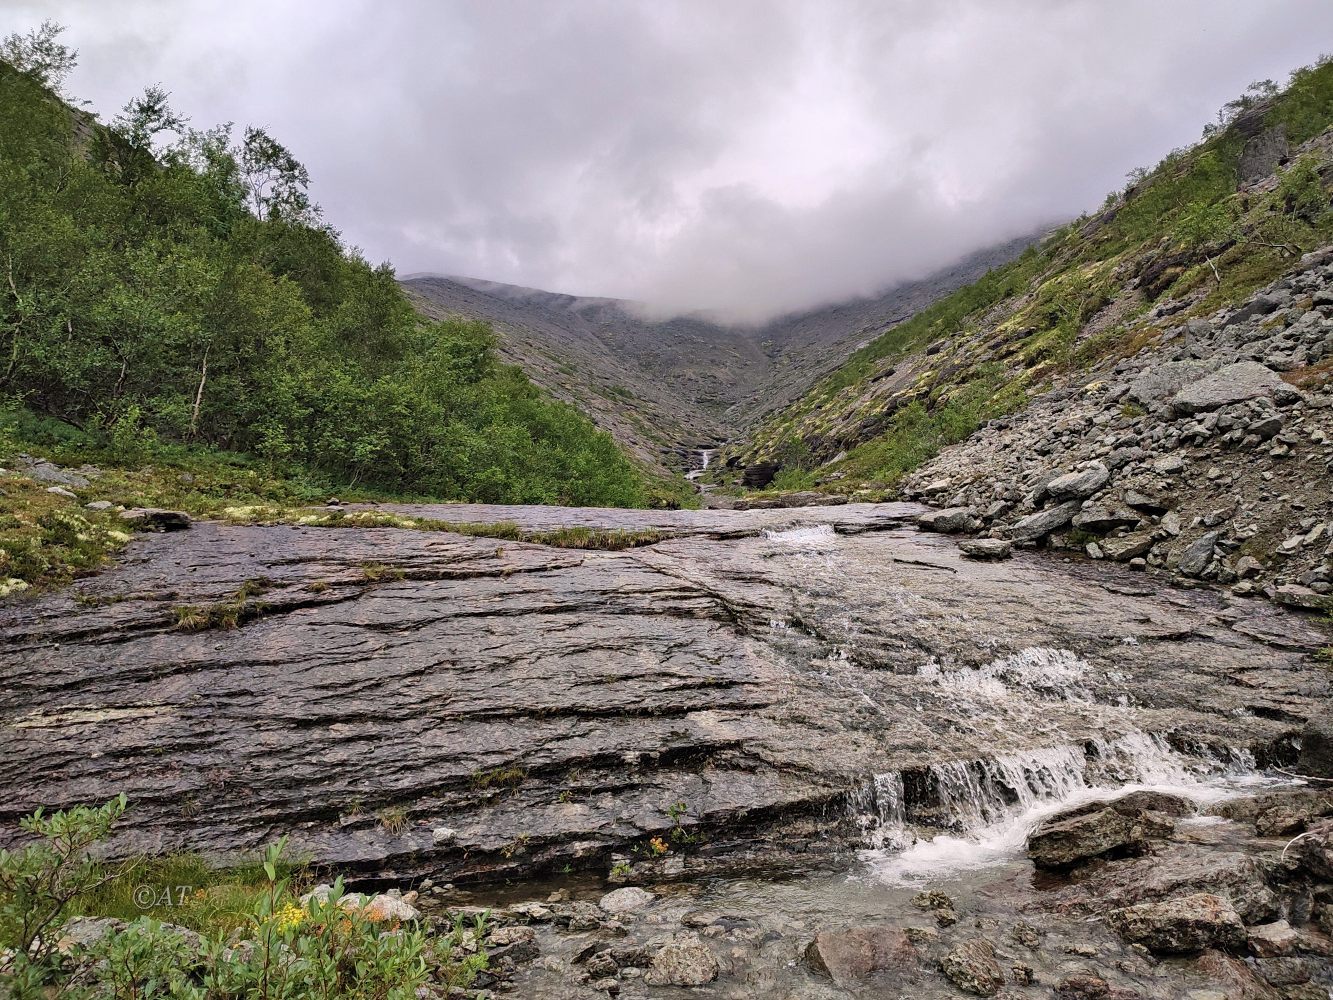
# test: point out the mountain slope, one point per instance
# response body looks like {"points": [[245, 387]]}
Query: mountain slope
{"points": [[157, 296], [1149, 384], [665, 387]]}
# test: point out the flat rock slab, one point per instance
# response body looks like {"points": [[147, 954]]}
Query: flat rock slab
{"points": [[546, 706]]}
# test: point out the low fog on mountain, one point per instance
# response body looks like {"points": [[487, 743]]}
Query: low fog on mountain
{"points": [[751, 158], [636, 499]]}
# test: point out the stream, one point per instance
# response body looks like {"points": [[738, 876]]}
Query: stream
{"points": [[817, 713]]}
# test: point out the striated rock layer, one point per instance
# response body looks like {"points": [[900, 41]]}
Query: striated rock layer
{"points": [[405, 701]]}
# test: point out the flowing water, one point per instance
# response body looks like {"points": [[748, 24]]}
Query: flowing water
{"points": [[824, 691], [699, 465]]}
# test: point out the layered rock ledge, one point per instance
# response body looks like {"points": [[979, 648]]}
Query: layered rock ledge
{"points": [[407, 702]]}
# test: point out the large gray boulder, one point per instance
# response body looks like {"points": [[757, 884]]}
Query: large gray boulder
{"points": [[1295, 596], [1037, 526], [1100, 519], [986, 548], [1263, 153], [1163, 381], [1182, 925], [850, 955], [1236, 383], [1127, 547], [1079, 484], [1198, 554], [1063, 842], [950, 520], [1098, 829]]}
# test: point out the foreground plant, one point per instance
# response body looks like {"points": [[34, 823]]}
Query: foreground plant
{"points": [[326, 945]]}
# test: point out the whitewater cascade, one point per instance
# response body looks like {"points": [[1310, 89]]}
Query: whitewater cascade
{"points": [[986, 808]]}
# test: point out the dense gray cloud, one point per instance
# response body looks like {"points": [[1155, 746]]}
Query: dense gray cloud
{"points": [[753, 156]]}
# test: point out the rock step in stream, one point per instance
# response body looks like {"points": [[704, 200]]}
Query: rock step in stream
{"points": [[766, 691]]}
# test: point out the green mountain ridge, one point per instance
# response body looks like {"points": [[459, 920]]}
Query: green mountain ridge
{"points": [[1203, 230], [167, 287]]}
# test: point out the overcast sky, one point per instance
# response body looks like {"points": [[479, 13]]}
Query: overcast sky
{"points": [[752, 156]]}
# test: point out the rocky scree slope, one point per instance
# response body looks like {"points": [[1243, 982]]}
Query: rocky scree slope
{"points": [[666, 387], [1209, 454]]}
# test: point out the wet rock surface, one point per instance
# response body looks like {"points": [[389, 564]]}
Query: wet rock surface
{"points": [[1016, 932], [726, 723], [551, 705]]}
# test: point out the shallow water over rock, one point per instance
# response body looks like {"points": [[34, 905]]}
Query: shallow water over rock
{"points": [[411, 702]]}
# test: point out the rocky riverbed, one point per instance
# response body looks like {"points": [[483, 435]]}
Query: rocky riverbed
{"points": [[796, 720]]}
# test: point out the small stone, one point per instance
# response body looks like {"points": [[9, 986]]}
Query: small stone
{"points": [[971, 966], [60, 491], [1185, 924], [851, 955], [1273, 940], [1127, 547], [1036, 526], [1080, 483], [1198, 554], [443, 835], [1296, 596], [626, 900], [518, 943], [155, 519], [682, 961], [986, 548], [384, 908], [1079, 835], [1248, 566], [951, 520]]}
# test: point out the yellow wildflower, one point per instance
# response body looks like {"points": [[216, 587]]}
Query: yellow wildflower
{"points": [[289, 916]]}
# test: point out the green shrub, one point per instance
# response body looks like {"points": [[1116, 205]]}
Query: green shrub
{"points": [[276, 949], [155, 301]]}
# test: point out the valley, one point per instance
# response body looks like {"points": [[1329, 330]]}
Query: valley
{"points": [[665, 388], [379, 636]]}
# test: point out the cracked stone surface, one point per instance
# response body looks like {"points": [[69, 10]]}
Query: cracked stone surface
{"points": [[548, 705]]}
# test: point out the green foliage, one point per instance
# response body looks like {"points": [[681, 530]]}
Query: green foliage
{"points": [[46, 539], [227, 614], [1302, 193], [40, 54], [183, 889], [916, 434], [270, 947], [161, 285], [942, 318], [39, 881], [1306, 106]]}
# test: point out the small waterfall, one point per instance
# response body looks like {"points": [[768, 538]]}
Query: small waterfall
{"points": [[880, 811], [705, 458], [811, 536], [989, 806], [1052, 673]]}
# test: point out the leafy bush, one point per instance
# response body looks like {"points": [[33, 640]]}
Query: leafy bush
{"points": [[40, 881], [329, 947], [165, 285]]}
